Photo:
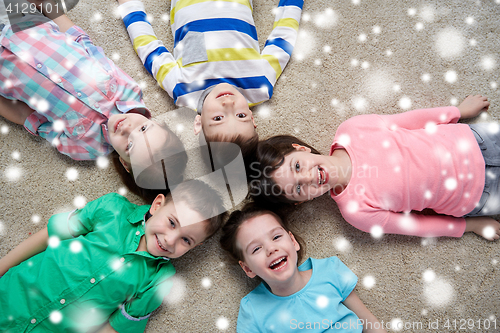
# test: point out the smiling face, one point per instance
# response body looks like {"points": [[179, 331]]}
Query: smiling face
{"points": [[269, 251], [225, 111], [133, 135], [169, 234], [304, 176]]}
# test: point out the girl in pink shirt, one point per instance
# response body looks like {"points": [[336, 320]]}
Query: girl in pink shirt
{"points": [[384, 170]]}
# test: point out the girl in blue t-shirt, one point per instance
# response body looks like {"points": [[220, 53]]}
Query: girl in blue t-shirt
{"points": [[317, 296]]}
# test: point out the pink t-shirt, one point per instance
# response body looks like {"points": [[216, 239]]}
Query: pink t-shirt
{"points": [[410, 161]]}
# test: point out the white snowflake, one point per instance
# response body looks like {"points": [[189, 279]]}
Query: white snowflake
{"points": [[342, 244], [326, 19], [449, 43], [55, 317], [450, 184], [79, 201], [419, 26], [369, 282], [470, 20], [438, 292], [412, 11], [404, 103], [122, 191], [322, 301], [427, 13], [222, 323], [54, 241], [2, 228], [488, 62], [396, 324], [36, 218], [4, 129], [75, 246], [451, 76], [102, 162], [206, 282], [16, 155], [377, 231], [13, 173], [360, 104], [72, 174], [426, 77]]}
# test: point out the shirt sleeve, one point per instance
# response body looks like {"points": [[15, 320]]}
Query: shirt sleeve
{"points": [[80, 221], [280, 43], [411, 224], [247, 320], [344, 279], [155, 57], [133, 316], [418, 119]]}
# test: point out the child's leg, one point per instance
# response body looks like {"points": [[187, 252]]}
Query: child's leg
{"points": [[15, 111]]}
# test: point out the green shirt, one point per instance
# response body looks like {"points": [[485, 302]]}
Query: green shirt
{"points": [[90, 273]]}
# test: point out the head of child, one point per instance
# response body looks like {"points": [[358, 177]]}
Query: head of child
{"points": [[287, 170], [263, 245], [146, 154], [224, 111], [182, 219]]}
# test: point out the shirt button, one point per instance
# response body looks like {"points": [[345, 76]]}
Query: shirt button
{"points": [[122, 259], [62, 301], [33, 320], [137, 232], [39, 66], [96, 105], [113, 88], [59, 81], [80, 129], [92, 280], [79, 94]]}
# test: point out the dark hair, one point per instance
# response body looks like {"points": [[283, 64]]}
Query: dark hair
{"points": [[238, 217], [221, 157], [170, 168], [203, 199], [269, 156]]}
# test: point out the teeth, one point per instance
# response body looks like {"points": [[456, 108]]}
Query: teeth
{"points": [[159, 244], [276, 262], [320, 177]]}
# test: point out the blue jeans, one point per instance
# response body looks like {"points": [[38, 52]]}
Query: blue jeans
{"points": [[489, 142]]}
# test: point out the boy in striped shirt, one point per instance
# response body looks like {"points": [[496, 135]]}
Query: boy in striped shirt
{"points": [[216, 66]]}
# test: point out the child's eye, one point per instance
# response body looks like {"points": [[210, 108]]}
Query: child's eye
{"points": [[143, 128], [186, 240], [241, 115], [276, 237], [217, 118], [298, 189], [172, 223], [129, 146], [297, 166], [256, 249]]}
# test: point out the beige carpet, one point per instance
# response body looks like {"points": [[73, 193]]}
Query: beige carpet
{"points": [[352, 57]]}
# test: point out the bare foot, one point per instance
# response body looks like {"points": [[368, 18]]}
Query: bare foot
{"points": [[483, 226], [473, 105]]}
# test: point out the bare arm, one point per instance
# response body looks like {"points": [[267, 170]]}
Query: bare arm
{"points": [[370, 322], [28, 248], [473, 106], [107, 329], [57, 16]]}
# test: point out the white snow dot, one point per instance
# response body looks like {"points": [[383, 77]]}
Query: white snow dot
{"points": [[150, 18], [365, 64], [360, 104], [488, 232], [457, 268], [428, 241], [450, 184], [356, 2], [306, 17], [429, 275], [493, 85], [388, 53], [438, 293], [79, 201], [494, 261], [322, 302], [493, 128], [397, 168], [342, 244], [42, 106], [473, 42], [412, 11], [54, 241], [396, 87], [428, 195], [376, 231], [115, 56], [451, 76], [264, 111], [469, 20], [376, 29], [404, 103], [424, 312], [165, 17], [335, 102], [75, 246], [453, 101], [313, 110], [362, 38], [206, 283], [317, 62], [102, 162], [344, 140], [427, 14], [1, 228], [419, 26], [369, 281], [16, 155], [35, 218], [222, 323], [13, 173], [72, 174], [352, 206], [426, 77], [396, 324], [122, 191], [4, 129], [55, 317], [97, 17], [354, 62], [488, 63], [386, 144], [327, 48]]}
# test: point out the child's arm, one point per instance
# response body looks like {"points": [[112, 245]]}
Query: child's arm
{"points": [[60, 19], [28, 248], [107, 329], [473, 106], [158, 61], [280, 43], [370, 322]]}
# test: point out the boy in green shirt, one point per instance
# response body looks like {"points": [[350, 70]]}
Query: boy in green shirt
{"points": [[105, 267]]}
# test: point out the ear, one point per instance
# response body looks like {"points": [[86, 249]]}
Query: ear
{"points": [[157, 203], [197, 125], [247, 270], [296, 244], [254, 124], [301, 148], [125, 164]]}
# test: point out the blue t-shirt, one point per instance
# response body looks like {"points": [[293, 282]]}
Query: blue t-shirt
{"points": [[317, 307]]}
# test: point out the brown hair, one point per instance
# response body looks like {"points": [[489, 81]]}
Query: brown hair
{"points": [[269, 156], [170, 168], [236, 220], [203, 199]]}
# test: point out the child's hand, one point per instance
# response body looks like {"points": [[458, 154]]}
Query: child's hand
{"points": [[472, 106], [483, 226]]}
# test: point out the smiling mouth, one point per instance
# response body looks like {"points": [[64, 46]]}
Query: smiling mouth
{"points": [[118, 124], [279, 263], [321, 176], [224, 94], [159, 244]]}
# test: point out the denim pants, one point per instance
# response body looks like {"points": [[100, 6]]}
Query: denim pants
{"points": [[488, 138]]}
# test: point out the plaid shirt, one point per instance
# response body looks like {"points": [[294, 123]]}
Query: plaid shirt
{"points": [[70, 84]]}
